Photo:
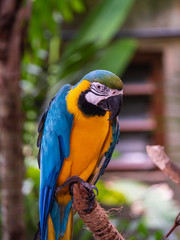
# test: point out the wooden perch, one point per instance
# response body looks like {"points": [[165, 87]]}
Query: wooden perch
{"points": [[96, 220], [161, 160]]}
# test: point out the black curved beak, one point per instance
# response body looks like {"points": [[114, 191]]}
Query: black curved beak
{"points": [[112, 104]]}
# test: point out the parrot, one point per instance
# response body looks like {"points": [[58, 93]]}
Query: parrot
{"points": [[77, 135]]}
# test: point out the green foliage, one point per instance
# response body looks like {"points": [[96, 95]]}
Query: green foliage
{"points": [[43, 49], [142, 232], [108, 196], [102, 23], [133, 190], [116, 56], [79, 232], [93, 48]]}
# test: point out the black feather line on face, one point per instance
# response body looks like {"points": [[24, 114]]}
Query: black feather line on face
{"points": [[88, 108]]}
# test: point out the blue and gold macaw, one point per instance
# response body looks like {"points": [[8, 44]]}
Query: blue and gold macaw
{"points": [[77, 135]]}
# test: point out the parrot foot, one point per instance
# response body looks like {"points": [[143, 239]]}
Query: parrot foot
{"points": [[91, 200], [75, 179]]}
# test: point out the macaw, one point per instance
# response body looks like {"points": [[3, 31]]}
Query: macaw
{"points": [[77, 135]]}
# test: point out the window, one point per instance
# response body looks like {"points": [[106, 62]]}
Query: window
{"points": [[141, 121]]}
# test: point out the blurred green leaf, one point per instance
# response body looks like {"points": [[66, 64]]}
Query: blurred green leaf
{"points": [[158, 235], [116, 56], [108, 196], [77, 5], [102, 24], [54, 49], [142, 229], [34, 174], [66, 10], [133, 190]]}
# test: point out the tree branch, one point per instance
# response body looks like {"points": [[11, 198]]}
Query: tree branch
{"points": [[162, 161], [96, 220], [172, 170]]}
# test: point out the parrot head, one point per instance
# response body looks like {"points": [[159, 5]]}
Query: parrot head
{"points": [[104, 94]]}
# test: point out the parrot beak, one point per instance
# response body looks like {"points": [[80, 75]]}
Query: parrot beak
{"points": [[112, 104]]}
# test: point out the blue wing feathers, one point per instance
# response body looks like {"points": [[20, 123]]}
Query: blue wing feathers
{"points": [[64, 220], [55, 216], [56, 213], [43, 217], [115, 137], [55, 128], [41, 124]]}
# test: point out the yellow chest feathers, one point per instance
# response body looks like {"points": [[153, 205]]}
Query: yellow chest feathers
{"points": [[88, 134]]}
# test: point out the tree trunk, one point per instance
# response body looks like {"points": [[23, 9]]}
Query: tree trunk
{"points": [[14, 16]]}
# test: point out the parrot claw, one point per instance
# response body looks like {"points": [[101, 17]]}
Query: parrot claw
{"points": [[91, 201], [90, 197], [95, 188], [75, 179], [89, 187], [90, 208]]}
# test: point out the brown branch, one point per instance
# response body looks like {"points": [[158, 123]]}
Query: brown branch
{"points": [[162, 161], [176, 224], [172, 170], [96, 220]]}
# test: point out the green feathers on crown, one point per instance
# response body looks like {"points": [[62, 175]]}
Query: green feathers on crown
{"points": [[105, 77]]}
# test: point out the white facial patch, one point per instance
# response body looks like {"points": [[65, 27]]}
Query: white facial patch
{"points": [[115, 92], [99, 92], [93, 98]]}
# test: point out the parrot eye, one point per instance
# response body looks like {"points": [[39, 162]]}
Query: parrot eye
{"points": [[114, 92], [100, 87]]}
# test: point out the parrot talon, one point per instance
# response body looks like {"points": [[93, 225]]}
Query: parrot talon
{"points": [[71, 189], [89, 209], [95, 188], [71, 181], [89, 188], [91, 201], [90, 197]]}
